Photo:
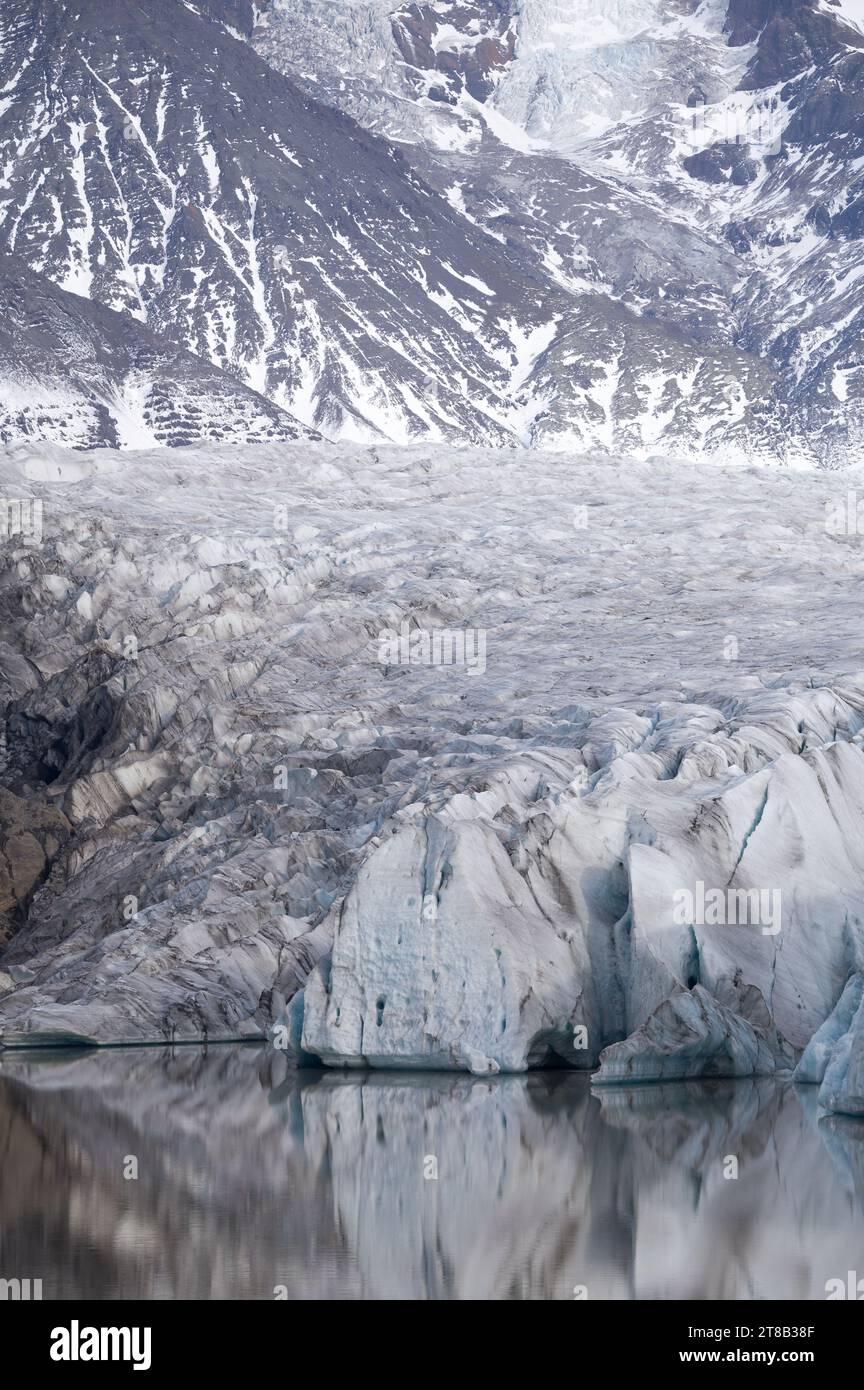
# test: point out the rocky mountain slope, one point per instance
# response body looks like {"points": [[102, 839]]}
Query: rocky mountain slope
{"points": [[172, 174], [73, 372], [563, 249], [695, 160]]}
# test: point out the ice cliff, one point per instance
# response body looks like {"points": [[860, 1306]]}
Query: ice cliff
{"points": [[544, 927], [835, 1054]]}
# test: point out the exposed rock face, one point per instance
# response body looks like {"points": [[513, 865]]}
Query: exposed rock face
{"points": [[31, 837], [688, 173], [790, 36], [75, 373], [263, 819], [485, 36], [722, 163]]}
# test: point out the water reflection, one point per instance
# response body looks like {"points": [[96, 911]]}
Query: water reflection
{"points": [[324, 1186]]}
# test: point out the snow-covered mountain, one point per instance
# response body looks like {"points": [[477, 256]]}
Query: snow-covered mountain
{"points": [[172, 174], [630, 225], [73, 372], [695, 160]]}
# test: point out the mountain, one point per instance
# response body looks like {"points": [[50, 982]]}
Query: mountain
{"points": [[174, 175], [73, 372], [696, 161], [412, 72], [629, 225]]}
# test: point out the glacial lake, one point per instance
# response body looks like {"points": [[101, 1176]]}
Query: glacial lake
{"points": [[434, 1186]]}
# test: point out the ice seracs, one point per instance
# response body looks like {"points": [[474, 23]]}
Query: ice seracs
{"points": [[557, 915], [443, 958], [834, 1058], [694, 1034]]}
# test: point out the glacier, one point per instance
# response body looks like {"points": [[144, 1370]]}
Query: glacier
{"points": [[505, 942], [834, 1058], [630, 844]]}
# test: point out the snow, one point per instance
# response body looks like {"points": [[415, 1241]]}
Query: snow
{"points": [[208, 156], [656, 419], [456, 198], [457, 309], [500, 125], [527, 345], [852, 11], [602, 393], [448, 37], [473, 280], [79, 276], [129, 415]]}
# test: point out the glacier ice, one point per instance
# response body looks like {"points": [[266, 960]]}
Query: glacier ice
{"points": [[834, 1057], [556, 914], [248, 824], [693, 1034]]}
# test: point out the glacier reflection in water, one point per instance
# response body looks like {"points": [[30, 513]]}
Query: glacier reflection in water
{"points": [[324, 1186]]}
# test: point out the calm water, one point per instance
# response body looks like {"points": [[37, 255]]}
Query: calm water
{"points": [[324, 1186]]}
